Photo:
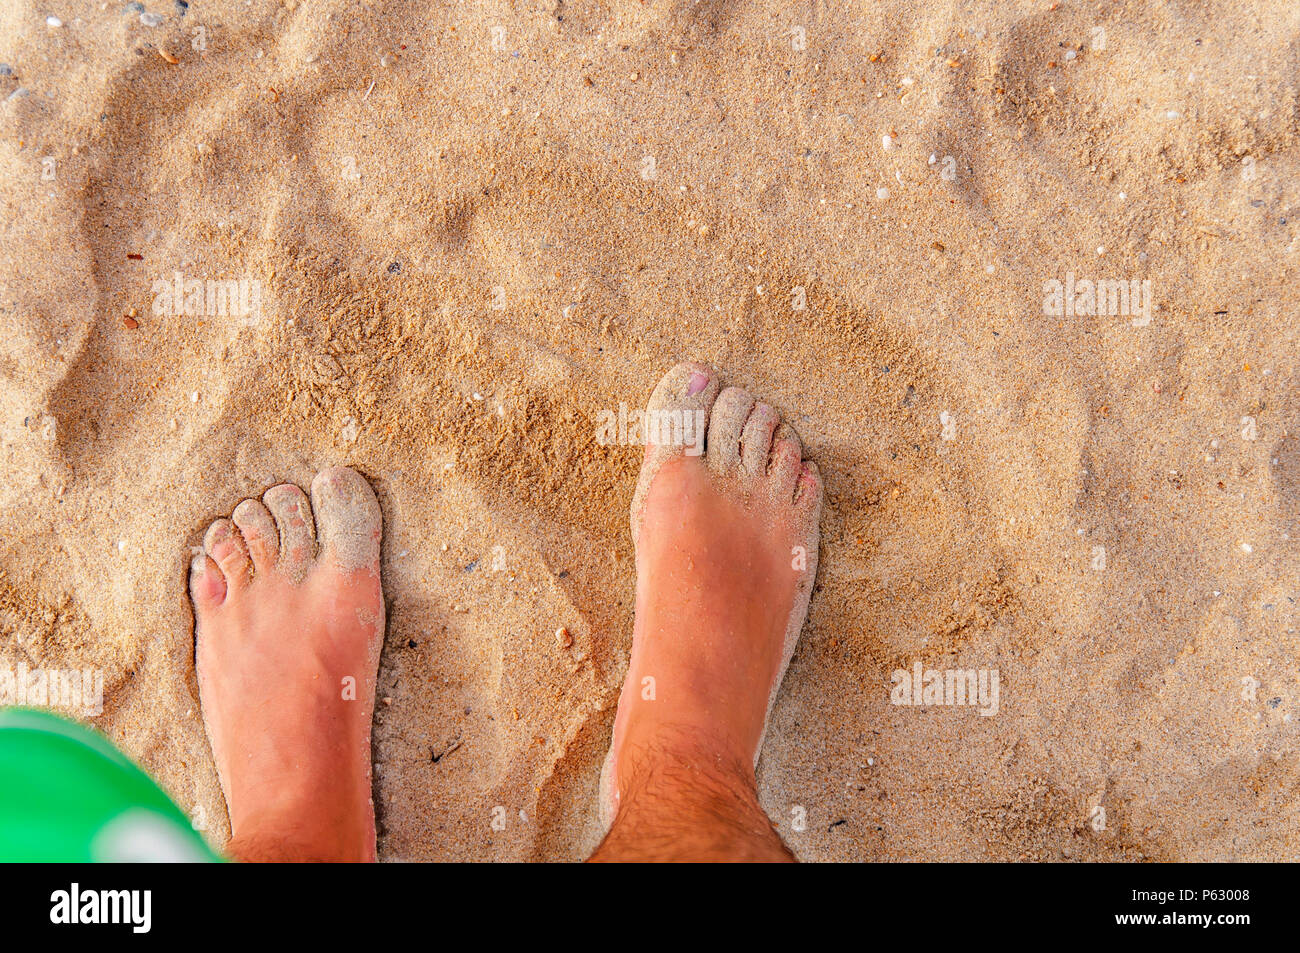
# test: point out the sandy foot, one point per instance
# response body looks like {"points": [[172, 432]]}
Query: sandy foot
{"points": [[287, 644], [726, 547]]}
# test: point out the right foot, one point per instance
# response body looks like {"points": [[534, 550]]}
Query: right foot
{"points": [[287, 644], [726, 554]]}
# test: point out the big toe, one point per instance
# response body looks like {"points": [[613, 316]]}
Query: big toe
{"points": [[677, 422], [677, 416], [348, 521]]}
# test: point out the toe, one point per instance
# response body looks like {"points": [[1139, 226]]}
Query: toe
{"points": [[207, 584], [756, 439], [808, 487], [785, 463], [677, 416], [293, 520], [347, 518], [725, 426], [685, 394], [226, 547], [258, 529]]}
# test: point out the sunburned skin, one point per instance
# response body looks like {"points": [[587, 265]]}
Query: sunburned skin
{"points": [[726, 555], [289, 624]]}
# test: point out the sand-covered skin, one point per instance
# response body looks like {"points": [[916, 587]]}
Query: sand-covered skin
{"points": [[531, 215], [753, 459]]}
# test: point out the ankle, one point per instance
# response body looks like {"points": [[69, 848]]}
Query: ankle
{"points": [[689, 723], [681, 799]]}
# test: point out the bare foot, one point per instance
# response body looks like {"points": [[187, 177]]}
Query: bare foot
{"points": [[287, 644], [726, 554]]}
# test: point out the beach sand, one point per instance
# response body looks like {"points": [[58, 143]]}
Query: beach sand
{"points": [[471, 228]]}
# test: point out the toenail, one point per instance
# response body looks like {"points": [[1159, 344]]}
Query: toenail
{"points": [[199, 565], [698, 383], [220, 532]]}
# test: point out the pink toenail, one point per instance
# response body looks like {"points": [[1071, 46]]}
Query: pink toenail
{"points": [[698, 383]]}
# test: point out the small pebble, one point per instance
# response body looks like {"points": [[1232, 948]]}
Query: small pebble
{"points": [[53, 22], [351, 428], [133, 7], [563, 638], [6, 69], [152, 19], [887, 142], [387, 60], [882, 193]]}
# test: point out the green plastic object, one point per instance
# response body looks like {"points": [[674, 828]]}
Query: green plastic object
{"points": [[67, 795]]}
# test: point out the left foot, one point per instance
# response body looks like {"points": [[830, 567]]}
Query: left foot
{"points": [[287, 644]]}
